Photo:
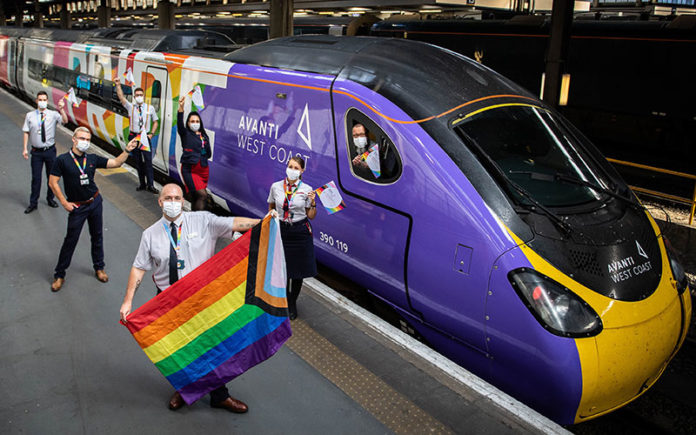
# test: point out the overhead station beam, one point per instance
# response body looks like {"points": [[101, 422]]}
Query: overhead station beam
{"points": [[281, 18]]}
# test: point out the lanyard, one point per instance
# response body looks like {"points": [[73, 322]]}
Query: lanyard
{"points": [[177, 244], [292, 194], [84, 162], [140, 115]]}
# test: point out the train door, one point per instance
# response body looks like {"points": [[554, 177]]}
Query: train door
{"points": [[156, 93], [376, 230]]}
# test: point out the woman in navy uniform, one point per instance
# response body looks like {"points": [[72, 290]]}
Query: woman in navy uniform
{"points": [[295, 203], [194, 158]]}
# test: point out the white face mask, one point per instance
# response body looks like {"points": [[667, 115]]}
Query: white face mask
{"points": [[293, 174], [82, 145], [195, 126], [139, 99], [360, 141], [171, 208], [43, 104]]}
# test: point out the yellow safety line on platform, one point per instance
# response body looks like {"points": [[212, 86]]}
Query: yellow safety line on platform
{"points": [[386, 404], [111, 171]]}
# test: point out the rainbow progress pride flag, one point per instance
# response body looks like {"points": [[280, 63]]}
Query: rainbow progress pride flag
{"points": [[226, 316]]}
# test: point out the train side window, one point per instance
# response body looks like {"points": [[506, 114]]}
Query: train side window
{"points": [[156, 96], [36, 70], [373, 156]]}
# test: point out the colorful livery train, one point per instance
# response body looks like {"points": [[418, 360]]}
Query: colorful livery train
{"points": [[492, 227]]}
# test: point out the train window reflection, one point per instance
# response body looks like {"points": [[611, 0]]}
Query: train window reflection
{"points": [[373, 156], [533, 150]]}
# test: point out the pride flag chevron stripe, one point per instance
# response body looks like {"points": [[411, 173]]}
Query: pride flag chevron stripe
{"points": [[223, 318]]}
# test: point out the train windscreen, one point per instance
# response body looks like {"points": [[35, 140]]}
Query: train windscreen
{"points": [[538, 159]]}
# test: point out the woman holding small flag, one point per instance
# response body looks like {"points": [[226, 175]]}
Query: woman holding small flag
{"points": [[194, 158], [295, 203]]}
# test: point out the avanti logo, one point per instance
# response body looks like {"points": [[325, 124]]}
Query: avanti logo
{"points": [[304, 122], [641, 252]]}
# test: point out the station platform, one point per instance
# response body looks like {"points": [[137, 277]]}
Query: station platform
{"points": [[70, 367]]}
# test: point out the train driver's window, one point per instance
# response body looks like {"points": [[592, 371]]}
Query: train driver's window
{"points": [[373, 156]]}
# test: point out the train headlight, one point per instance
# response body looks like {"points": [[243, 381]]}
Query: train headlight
{"points": [[677, 269], [558, 309]]}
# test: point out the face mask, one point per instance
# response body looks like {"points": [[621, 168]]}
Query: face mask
{"points": [[171, 208], [43, 104], [293, 174], [139, 99], [195, 126], [360, 141], [82, 145]]}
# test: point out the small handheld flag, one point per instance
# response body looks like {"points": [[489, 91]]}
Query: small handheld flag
{"points": [[330, 197], [196, 96], [144, 141], [128, 75], [371, 157], [71, 98]]}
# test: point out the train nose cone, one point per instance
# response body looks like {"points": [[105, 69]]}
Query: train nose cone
{"points": [[632, 351]]}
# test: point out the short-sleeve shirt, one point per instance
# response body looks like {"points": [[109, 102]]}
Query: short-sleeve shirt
{"points": [[66, 168], [141, 116], [32, 125], [299, 202], [199, 233]]}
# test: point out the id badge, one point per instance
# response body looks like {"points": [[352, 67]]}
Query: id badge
{"points": [[180, 264], [83, 179]]}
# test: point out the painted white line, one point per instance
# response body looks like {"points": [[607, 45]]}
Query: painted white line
{"points": [[446, 366]]}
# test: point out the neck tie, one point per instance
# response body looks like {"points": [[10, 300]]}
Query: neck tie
{"points": [[286, 203], [173, 272], [140, 117], [43, 129]]}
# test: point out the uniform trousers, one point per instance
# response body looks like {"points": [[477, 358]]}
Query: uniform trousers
{"points": [[143, 163], [41, 159], [92, 213]]}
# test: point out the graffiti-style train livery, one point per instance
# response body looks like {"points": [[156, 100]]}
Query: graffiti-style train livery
{"points": [[495, 229]]}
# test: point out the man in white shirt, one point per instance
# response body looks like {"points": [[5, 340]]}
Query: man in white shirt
{"points": [[141, 116], [172, 247], [40, 132]]}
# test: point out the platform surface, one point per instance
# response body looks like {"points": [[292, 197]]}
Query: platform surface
{"points": [[69, 367]]}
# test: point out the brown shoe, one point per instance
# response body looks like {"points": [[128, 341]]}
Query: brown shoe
{"points": [[232, 405], [57, 284], [176, 402], [101, 275]]}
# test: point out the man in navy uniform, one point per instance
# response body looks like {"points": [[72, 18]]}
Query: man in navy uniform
{"points": [[81, 200], [141, 115], [40, 132]]}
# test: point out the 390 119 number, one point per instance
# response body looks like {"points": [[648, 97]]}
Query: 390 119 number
{"points": [[331, 241]]}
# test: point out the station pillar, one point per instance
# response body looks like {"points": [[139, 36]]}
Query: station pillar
{"points": [[3, 17], [281, 18], [65, 17], [561, 22], [19, 13], [104, 14], [38, 16], [165, 14]]}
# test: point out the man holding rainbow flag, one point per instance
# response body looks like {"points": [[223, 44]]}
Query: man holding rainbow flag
{"points": [[214, 317]]}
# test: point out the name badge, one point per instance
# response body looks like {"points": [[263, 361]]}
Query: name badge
{"points": [[84, 180], [192, 235], [180, 264]]}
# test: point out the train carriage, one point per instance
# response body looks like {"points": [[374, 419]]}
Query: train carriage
{"points": [[492, 227]]}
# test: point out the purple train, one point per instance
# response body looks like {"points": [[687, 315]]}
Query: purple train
{"points": [[485, 220]]}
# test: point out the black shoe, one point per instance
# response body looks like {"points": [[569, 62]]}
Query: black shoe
{"points": [[152, 189], [29, 209], [139, 188], [52, 203]]}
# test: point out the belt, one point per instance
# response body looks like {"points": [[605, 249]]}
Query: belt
{"points": [[42, 149], [89, 201], [292, 224]]}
